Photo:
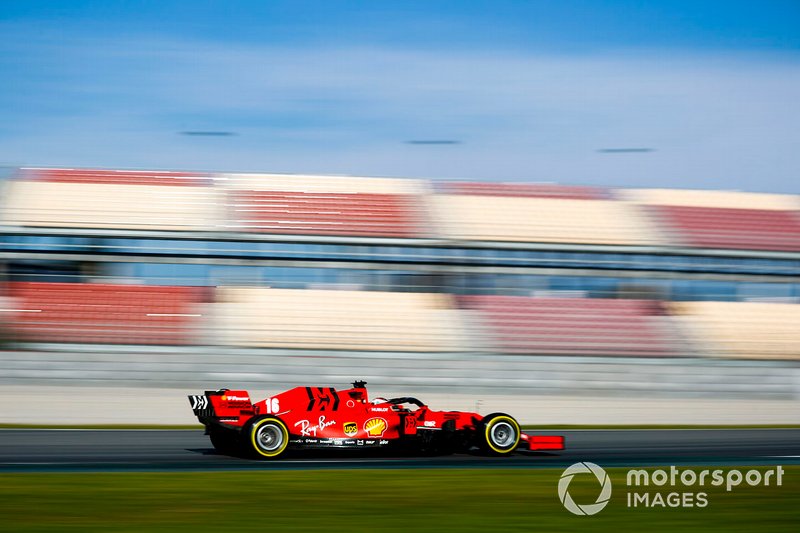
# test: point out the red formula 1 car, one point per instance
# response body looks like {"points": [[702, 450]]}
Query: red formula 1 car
{"points": [[323, 417]]}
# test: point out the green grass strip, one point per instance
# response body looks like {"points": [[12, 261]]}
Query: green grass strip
{"points": [[369, 500]]}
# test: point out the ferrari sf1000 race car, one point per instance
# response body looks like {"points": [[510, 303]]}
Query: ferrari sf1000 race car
{"points": [[323, 417]]}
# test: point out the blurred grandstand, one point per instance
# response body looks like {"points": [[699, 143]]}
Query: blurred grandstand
{"points": [[525, 282]]}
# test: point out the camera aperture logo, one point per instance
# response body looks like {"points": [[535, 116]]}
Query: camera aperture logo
{"points": [[662, 488], [584, 509]]}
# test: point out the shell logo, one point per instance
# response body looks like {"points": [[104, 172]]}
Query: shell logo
{"points": [[375, 427]]}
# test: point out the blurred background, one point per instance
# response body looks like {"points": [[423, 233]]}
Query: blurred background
{"points": [[654, 290], [190, 279]]}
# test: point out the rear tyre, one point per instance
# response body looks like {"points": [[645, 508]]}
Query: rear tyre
{"points": [[268, 437], [499, 434]]}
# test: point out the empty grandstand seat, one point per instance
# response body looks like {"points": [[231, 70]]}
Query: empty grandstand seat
{"points": [[701, 198], [325, 205], [528, 219], [104, 313], [336, 320], [118, 177], [109, 199], [746, 330], [322, 184], [529, 190], [380, 215], [572, 326], [731, 228]]}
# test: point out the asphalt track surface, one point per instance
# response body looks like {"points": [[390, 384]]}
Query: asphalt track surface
{"points": [[28, 450]]}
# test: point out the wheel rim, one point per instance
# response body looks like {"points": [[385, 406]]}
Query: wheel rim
{"points": [[503, 435], [269, 437]]}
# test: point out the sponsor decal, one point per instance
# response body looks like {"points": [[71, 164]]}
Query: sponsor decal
{"points": [[350, 428], [379, 409], [233, 398], [198, 402], [272, 406], [331, 442], [375, 427], [322, 399], [307, 430], [429, 424]]}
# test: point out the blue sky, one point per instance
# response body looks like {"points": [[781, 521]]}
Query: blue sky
{"points": [[532, 90]]}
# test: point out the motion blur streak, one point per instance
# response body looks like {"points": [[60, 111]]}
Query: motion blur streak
{"points": [[48, 450], [506, 286]]}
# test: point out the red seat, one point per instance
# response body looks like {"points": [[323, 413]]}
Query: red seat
{"points": [[730, 228], [104, 313], [118, 177], [529, 190], [572, 326], [380, 215]]}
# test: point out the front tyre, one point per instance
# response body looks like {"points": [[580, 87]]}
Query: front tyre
{"points": [[268, 437], [499, 434]]}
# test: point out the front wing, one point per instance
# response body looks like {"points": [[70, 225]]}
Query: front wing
{"points": [[536, 443]]}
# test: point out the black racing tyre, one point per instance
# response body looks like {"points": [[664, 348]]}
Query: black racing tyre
{"points": [[499, 434], [267, 437]]}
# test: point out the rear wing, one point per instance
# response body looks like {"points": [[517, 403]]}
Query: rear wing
{"points": [[227, 407]]}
